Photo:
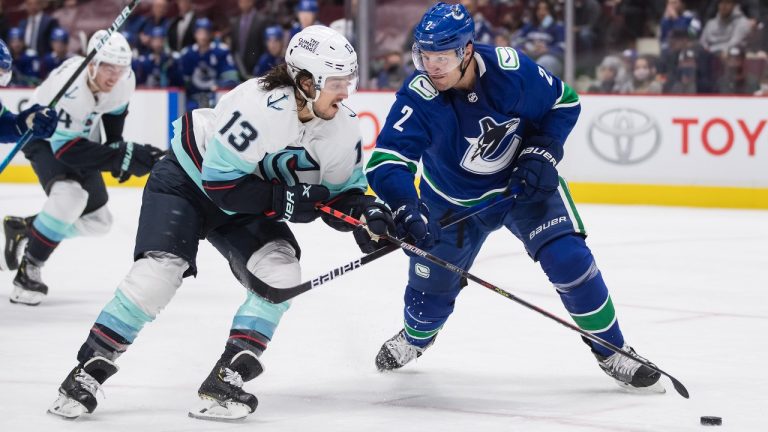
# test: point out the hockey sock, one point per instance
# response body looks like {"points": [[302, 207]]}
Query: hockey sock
{"points": [[242, 340], [42, 239], [569, 264], [425, 314]]}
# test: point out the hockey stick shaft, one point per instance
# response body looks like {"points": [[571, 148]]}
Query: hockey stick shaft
{"points": [[116, 24], [279, 295], [448, 266]]}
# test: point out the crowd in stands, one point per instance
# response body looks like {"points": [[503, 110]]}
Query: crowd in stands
{"points": [[622, 46]]}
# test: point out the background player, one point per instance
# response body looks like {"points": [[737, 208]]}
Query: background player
{"points": [[465, 114], [267, 154], [69, 163]]}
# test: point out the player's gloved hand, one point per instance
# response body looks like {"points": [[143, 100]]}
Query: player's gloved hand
{"points": [[536, 169], [412, 224], [133, 159], [367, 208], [298, 203], [40, 119]]}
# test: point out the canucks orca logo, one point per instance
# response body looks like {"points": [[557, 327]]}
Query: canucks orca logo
{"points": [[494, 149], [282, 167]]}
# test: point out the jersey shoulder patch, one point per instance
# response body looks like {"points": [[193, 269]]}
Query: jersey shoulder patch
{"points": [[508, 58], [423, 87]]}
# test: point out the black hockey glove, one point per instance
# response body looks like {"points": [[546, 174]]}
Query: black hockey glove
{"points": [[536, 169], [40, 119], [297, 204], [133, 159], [414, 226], [369, 209]]}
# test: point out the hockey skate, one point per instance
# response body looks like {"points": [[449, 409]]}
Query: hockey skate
{"points": [[77, 394], [397, 352], [222, 392], [630, 374], [28, 287], [15, 232]]}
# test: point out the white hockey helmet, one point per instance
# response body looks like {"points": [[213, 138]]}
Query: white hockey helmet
{"points": [[115, 50], [324, 53]]}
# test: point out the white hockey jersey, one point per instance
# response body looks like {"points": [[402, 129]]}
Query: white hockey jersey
{"points": [[253, 131], [79, 109]]}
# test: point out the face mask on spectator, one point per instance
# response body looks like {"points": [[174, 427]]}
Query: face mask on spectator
{"points": [[547, 21], [642, 74]]}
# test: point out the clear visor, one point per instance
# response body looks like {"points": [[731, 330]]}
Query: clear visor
{"points": [[341, 85], [113, 70], [436, 62], [5, 76]]}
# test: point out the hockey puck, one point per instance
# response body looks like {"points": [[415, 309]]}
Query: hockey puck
{"points": [[711, 421]]}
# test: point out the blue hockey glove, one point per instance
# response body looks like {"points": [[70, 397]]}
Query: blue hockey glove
{"points": [[412, 224], [536, 169], [40, 119]]}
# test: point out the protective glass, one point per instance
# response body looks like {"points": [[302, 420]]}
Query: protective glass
{"points": [[436, 62]]}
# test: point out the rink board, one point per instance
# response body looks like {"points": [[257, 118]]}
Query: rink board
{"points": [[703, 151]]}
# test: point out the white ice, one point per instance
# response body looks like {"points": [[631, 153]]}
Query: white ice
{"points": [[689, 286]]}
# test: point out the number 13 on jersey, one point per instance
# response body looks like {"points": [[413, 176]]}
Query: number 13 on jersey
{"points": [[239, 138]]}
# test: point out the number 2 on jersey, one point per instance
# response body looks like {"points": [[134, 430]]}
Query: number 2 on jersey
{"points": [[247, 133], [407, 111]]}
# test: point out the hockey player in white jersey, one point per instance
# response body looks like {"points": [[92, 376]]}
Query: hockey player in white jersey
{"points": [[268, 153], [69, 163]]}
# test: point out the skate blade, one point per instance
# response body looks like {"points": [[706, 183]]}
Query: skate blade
{"points": [[656, 388], [67, 408], [21, 296], [213, 411]]}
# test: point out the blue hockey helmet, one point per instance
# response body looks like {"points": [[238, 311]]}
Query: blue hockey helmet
{"points": [[307, 6], [59, 35], [6, 64], [157, 32], [443, 27]]}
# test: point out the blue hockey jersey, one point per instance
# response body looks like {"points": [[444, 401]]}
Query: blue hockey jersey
{"points": [[155, 70], [203, 71], [467, 141]]}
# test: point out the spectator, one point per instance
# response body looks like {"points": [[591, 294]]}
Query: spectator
{"points": [[483, 29], [676, 16], [206, 67], [306, 15], [133, 42], [644, 76], [26, 64], [683, 80], [734, 78], [156, 18], [611, 77], [181, 32], [544, 39], [274, 52], [37, 27], [728, 29], [59, 52], [586, 15], [159, 67], [247, 37], [510, 27], [393, 72]]}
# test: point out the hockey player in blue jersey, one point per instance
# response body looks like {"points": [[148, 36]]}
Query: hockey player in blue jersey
{"points": [[26, 63], [206, 66], [40, 119], [273, 56], [465, 114], [269, 151]]}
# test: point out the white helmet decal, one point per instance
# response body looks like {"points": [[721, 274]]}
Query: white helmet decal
{"points": [[323, 52]]}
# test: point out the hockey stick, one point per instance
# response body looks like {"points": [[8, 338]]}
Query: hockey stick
{"points": [[448, 266], [100, 43], [279, 295]]}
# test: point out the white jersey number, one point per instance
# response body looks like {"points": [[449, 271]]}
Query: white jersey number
{"points": [[407, 111]]}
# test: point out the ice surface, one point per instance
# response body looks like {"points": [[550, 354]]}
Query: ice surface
{"points": [[689, 285]]}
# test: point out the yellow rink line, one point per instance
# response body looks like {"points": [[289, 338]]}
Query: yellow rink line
{"points": [[597, 193]]}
